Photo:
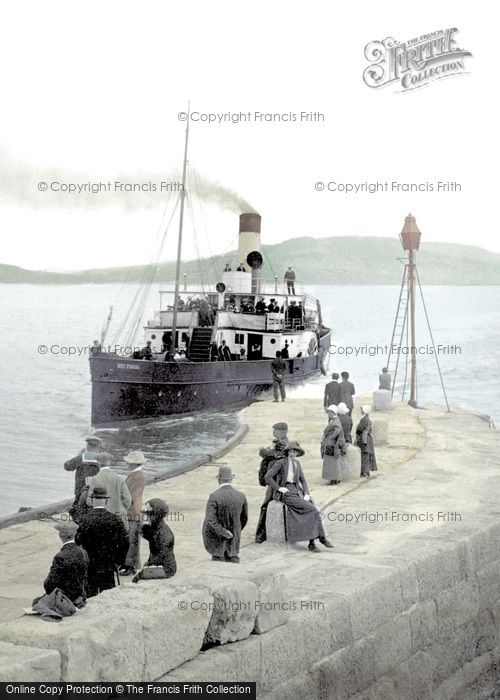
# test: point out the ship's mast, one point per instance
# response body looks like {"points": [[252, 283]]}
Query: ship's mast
{"points": [[179, 239]]}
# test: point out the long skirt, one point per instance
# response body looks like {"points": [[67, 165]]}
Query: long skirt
{"points": [[334, 468], [368, 462], [303, 519]]}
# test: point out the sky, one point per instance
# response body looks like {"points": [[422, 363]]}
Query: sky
{"points": [[92, 92]]}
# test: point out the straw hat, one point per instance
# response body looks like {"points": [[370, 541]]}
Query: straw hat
{"points": [[135, 457], [294, 445]]}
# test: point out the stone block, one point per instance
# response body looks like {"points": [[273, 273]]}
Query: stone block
{"points": [[380, 432], [383, 689], [456, 607], [437, 570], [233, 611], [303, 685], [423, 623], [23, 664], [232, 662], [391, 645], [421, 668], [346, 671], [483, 548], [382, 400], [488, 580], [134, 632], [275, 522], [456, 687], [352, 463], [375, 605]]}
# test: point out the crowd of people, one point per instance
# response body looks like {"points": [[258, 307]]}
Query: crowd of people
{"points": [[109, 517]]}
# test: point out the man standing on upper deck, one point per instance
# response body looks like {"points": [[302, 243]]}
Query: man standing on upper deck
{"points": [[290, 281]]}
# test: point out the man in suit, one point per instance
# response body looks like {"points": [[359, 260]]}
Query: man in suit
{"points": [[119, 499], [303, 521], [347, 391], [225, 518], [135, 482], [85, 463], [332, 392], [384, 380], [69, 566], [224, 352], [105, 539], [269, 456], [278, 369], [290, 281]]}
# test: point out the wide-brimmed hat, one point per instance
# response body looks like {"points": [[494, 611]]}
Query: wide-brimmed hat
{"points": [[332, 408], [225, 474], [294, 445], [100, 492], [280, 426], [135, 457]]}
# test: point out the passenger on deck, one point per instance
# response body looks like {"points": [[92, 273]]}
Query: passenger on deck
{"points": [[284, 351], [224, 352], [290, 281], [180, 356], [227, 268], [260, 306], [181, 304], [147, 352], [270, 306], [240, 268], [242, 355]]}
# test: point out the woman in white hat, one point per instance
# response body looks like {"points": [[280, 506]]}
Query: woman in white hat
{"points": [[345, 420], [333, 448], [364, 441]]}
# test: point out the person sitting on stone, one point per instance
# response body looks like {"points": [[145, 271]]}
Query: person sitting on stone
{"points": [[384, 380], [290, 487], [105, 539], [69, 566], [269, 456], [160, 538]]}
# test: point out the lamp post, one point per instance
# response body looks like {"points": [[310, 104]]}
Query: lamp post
{"points": [[410, 240]]}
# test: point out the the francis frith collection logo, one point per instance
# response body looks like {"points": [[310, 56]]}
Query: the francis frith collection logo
{"points": [[414, 63]]}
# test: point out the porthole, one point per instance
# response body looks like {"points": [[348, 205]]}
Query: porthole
{"points": [[273, 340], [153, 337]]}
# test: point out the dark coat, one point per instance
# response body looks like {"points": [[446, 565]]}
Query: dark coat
{"points": [[269, 456], [224, 353], [104, 538], [333, 442], [161, 546], [82, 469], [347, 391], [332, 394], [346, 422], [227, 510], [278, 366], [68, 572], [278, 474]]}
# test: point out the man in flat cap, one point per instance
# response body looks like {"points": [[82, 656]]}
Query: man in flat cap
{"points": [[69, 566], [269, 456], [225, 518], [105, 539], [85, 463], [332, 392]]}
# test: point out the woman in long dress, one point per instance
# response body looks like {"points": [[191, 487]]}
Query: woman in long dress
{"points": [[346, 421], [364, 441], [333, 448]]}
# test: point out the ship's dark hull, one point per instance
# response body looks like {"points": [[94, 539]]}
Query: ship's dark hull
{"points": [[126, 390]]}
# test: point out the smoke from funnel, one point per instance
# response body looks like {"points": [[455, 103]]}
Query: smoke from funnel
{"points": [[23, 184]]}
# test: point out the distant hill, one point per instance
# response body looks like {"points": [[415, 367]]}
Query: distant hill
{"points": [[336, 260]]}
